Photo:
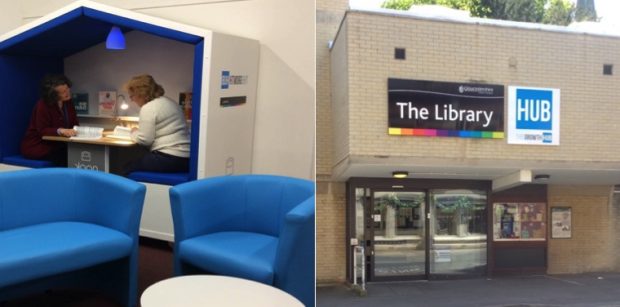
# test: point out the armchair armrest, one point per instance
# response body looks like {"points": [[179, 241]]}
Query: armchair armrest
{"points": [[206, 206], [294, 267]]}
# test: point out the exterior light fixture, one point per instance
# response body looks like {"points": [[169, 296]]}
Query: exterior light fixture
{"points": [[542, 177], [400, 174], [116, 39]]}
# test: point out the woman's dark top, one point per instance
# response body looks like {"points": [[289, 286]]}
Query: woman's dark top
{"points": [[45, 120]]}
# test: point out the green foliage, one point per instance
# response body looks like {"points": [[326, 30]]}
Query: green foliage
{"points": [[393, 201], [461, 203], [559, 12], [406, 4], [397, 4], [524, 10], [585, 11]]}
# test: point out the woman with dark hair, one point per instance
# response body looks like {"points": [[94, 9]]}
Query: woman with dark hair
{"points": [[162, 128], [53, 115]]}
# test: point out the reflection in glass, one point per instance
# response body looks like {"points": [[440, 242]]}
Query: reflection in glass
{"points": [[398, 222], [359, 214], [458, 232], [359, 233]]}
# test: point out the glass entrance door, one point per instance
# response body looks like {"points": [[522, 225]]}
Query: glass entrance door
{"points": [[458, 231], [398, 235]]}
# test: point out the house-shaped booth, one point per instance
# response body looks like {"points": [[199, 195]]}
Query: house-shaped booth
{"points": [[219, 70]]}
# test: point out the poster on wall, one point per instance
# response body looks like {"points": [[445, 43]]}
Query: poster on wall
{"points": [[533, 115], [453, 109], [561, 223], [107, 101]]}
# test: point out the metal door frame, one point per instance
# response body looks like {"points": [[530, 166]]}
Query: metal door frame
{"points": [[370, 185]]}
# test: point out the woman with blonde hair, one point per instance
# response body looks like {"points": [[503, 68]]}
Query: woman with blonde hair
{"points": [[162, 128]]}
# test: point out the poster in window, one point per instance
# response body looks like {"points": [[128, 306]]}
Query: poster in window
{"points": [[561, 223]]}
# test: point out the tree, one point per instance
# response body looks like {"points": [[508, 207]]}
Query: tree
{"points": [[402, 5], [524, 10], [406, 4], [585, 11], [558, 12]]}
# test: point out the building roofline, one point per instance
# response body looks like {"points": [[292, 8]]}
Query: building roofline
{"points": [[579, 28]]}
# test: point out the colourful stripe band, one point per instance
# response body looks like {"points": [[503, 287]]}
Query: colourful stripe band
{"points": [[452, 133]]}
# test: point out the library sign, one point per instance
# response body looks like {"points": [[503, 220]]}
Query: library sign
{"points": [[533, 115], [430, 108]]}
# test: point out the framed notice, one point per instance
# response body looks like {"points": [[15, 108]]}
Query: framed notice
{"points": [[561, 222]]}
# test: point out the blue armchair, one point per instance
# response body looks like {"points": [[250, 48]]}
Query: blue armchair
{"points": [[66, 227], [258, 227]]}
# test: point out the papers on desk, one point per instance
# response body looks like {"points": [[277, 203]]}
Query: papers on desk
{"points": [[123, 133], [87, 133]]}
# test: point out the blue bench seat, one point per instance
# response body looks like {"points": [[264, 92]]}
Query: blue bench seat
{"points": [[69, 228], [241, 254], [21, 161], [60, 247], [161, 178]]}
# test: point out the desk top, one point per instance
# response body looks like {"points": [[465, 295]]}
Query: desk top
{"points": [[100, 141], [214, 290]]}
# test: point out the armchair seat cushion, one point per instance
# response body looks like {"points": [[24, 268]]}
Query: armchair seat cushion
{"points": [[44, 249], [241, 254]]}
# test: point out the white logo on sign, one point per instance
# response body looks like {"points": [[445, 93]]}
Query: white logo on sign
{"points": [[85, 156]]}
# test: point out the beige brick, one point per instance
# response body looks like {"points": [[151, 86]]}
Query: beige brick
{"points": [[352, 113]]}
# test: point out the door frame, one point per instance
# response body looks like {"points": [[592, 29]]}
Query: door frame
{"points": [[402, 185]]}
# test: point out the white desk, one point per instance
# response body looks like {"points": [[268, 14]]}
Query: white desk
{"points": [[213, 290], [90, 154]]}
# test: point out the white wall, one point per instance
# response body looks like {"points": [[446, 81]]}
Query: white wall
{"points": [[174, 69], [284, 129]]}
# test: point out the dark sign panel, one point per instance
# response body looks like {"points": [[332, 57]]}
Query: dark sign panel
{"points": [[445, 109]]}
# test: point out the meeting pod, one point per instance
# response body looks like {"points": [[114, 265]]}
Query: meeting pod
{"points": [[216, 74]]}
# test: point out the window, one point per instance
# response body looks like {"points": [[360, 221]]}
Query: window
{"points": [[519, 221], [608, 69], [399, 53]]}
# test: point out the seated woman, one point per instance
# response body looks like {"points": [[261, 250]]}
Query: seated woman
{"points": [[53, 115], [162, 128]]}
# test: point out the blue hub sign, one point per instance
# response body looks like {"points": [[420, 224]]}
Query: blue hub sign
{"points": [[533, 115]]}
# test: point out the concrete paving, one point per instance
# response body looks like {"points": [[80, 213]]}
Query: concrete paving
{"points": [[516, 291]]}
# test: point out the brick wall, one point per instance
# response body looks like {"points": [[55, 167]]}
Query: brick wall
{"points": [[449, 51], [453, 52], [330, 204], [590, 248], [330, 233]]}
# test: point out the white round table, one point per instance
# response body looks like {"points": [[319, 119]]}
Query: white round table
{"points": [[213, 290]]}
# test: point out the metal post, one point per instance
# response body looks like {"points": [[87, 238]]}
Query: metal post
{"points": [[361, 287], [363, 263], [355, 265]]}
